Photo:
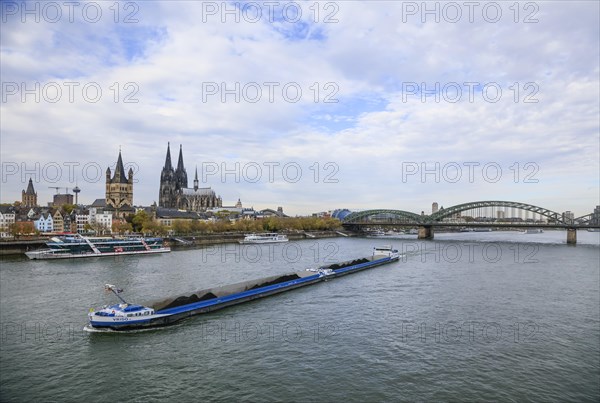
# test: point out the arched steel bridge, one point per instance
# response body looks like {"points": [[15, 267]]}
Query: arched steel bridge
{"points": [[437, 218]]}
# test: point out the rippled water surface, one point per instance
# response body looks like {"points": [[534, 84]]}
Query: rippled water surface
{"points": [[469, 316]]}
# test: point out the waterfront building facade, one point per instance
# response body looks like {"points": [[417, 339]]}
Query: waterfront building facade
{"points": [[174, 192], [7, 219], [58, 222], [101, 220], [44, 223]]}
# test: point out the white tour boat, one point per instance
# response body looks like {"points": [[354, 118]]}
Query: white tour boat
{"points": [[269, 237]]}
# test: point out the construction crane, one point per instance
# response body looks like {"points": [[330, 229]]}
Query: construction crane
{"points": [[54, 187]]}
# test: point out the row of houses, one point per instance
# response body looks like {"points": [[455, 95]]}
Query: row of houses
{"points": [[98, 217], [56, 220]]}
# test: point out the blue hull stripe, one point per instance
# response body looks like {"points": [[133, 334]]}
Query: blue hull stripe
{"points": [[119, 323], [239, 295], [242, 295]]}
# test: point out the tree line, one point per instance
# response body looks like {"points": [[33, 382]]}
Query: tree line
{"points": [[141, 222]]}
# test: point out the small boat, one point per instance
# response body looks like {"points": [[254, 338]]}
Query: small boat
{"points": [[394, 233], [534, 231], [78, 246], [376, 234], [386, 250], [268, 237], [126, 316]]}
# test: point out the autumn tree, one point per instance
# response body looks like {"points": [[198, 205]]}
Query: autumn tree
{"points": [[139, 219], [22, 228], [181, 227]]}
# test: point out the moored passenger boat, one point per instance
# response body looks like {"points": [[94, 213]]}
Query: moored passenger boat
{"points": [[78, 246], [269, 237], [533, 231], [125, 316]]}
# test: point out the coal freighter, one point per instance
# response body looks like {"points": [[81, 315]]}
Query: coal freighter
{"points": [[126, 316]]}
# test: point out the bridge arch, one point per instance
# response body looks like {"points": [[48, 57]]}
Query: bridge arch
{"points": [[360, 215], [587, 219], [450, 211]]}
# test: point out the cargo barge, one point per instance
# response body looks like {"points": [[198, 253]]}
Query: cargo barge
{"points": [[125, 316]]}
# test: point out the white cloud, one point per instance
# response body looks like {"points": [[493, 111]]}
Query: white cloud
{"points": [[176, 50]]}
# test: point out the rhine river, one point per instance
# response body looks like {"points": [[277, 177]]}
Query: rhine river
{"points": [[469, 316]]}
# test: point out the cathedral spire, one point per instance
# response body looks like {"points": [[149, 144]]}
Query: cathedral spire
{"points": [[181, 179], [196, 179], [180, 160], [168, 159]]}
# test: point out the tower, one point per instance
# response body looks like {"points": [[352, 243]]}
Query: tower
{"points": [[29, 197], [181, 181], [119, 188], [166, 196], [196, 180], [76, 190]]}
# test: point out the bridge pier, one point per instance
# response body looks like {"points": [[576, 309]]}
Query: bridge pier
{"points": [[425, 232], [571, 236]]}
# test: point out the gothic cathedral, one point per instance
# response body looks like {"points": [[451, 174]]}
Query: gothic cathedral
{"points": [[174, 192]]}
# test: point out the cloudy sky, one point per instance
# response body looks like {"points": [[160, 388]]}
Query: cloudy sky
{"points": [[307, 105]]}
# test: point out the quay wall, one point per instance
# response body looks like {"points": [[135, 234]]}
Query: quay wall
{"points": [[214, 239], [20, 246]]}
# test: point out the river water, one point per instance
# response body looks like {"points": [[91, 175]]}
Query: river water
{"points": [[467, 316]]}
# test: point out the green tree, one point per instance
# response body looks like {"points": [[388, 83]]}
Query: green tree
{"points": [[68, 208], [150, 228], [181, 227], [121, 227], [197, 226], [139, 219]]}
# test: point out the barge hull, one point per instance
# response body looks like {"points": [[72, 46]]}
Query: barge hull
{"points": [[172, 318], [171, 315]]}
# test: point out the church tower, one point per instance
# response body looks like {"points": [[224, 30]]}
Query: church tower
{"points": [[119, 188], [29, 197], [166, 196], [181, 181]]}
